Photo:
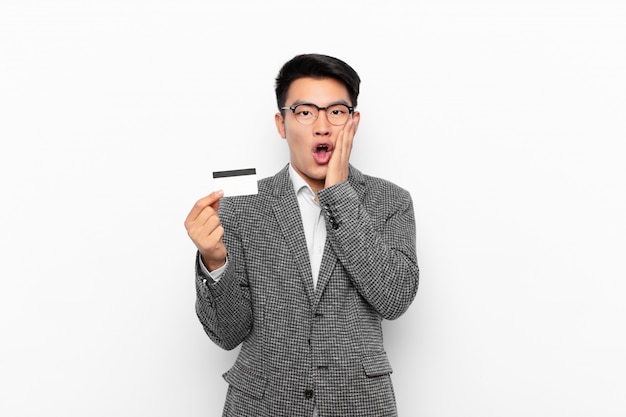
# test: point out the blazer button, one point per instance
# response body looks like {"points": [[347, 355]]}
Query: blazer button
{"points": [[204, 290], [308, 394]]}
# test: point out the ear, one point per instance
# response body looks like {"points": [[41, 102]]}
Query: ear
{"points": [[280, 125], [357, 119]]}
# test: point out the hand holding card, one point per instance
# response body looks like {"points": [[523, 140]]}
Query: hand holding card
{"points": [[235, 182]]}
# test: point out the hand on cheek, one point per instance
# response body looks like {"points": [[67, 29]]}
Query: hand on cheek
{"points": [[340, 159]]}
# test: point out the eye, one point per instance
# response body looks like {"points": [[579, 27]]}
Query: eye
{"points": [[338, 110], [305, 112]]}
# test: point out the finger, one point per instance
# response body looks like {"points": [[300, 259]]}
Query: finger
{"points": [[203, 203], [348, 137], [350, 131], [206, 235], [214, 240], [208, 220], [344, 142], [338, 151], [211, 241], [207, 213]]}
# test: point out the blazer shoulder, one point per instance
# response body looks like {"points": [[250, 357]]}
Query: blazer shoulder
{"points": [[377, 187], [276, 184]]}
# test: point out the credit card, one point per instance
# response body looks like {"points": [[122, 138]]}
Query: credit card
{"points": [[235, 182]]}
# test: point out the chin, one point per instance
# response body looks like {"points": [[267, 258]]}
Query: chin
{"points": [[319, 172]]}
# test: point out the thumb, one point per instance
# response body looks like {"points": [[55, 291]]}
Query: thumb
{"points": [[217, 195]]}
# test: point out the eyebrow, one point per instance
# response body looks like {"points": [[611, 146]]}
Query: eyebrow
{"points": [[299, 102]]}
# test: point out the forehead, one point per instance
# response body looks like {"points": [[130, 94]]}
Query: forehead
{"points": [[318, 91]]}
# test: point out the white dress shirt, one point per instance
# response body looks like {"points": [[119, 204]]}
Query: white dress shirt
{"points": [[312, 221]]}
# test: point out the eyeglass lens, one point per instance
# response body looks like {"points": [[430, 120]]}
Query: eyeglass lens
{"points": [[336, 114]]}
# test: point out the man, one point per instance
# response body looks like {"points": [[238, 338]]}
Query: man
{"points": [[304, 272]]}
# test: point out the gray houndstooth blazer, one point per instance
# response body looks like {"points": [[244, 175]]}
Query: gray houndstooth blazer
{"points": [[304, 346]]}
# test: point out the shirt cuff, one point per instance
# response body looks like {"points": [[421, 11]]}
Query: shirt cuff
{"points": [[215, 275]]}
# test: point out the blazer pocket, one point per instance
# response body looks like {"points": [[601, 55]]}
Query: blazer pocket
{"points": [[246, 380], [376, 364]]}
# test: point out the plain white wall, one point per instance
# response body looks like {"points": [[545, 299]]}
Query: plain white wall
{"points": [[504, 119]]}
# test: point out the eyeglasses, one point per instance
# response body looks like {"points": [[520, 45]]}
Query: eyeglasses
{"points": [[307, 113]]}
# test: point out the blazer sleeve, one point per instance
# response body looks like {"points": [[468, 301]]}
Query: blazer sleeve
{"points": [[374, 239], [224, 307]]}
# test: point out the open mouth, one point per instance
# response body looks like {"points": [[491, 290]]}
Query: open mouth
{"points": [[321, 148], [322, 153]]}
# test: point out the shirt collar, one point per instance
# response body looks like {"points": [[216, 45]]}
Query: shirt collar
{"points": [[299, 184]]}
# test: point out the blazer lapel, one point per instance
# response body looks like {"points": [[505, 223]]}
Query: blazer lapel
{"points": [[329, 260], [289, 220]]}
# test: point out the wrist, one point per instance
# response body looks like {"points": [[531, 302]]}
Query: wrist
{"points": [[212, 265]]}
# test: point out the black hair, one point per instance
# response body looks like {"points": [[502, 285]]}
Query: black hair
{"points": [[319, 67]]}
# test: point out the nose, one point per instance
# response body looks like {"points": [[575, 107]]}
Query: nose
{"points": [[321, 127]]}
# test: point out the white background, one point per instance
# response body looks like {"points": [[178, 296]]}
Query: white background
{"points": [[504, 119]]}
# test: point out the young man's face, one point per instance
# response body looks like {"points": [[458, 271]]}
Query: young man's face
{"points": [[311, 146]]}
